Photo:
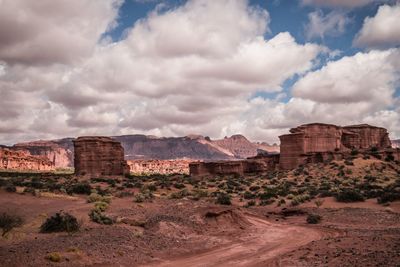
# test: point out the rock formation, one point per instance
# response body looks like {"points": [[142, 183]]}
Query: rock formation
{"points": [[22, 160], [240, 167], [99, 156], [317, 142], [159, 166], [396, 143], [60, 152]]}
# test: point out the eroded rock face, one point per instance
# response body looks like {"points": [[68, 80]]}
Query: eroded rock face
{"points": [[317, 142], [22, 160], [60, 152], [159, 166], [99, 156], [257, 164]]}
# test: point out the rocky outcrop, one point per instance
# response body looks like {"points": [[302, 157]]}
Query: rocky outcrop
{"points": [[22, 160], [99, 156], [147, 167], [59, 152], [396, 143], [240, 167], [318, 142]]}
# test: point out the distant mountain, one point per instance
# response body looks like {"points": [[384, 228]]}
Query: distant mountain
{"points": [[198, 147], [396, 143]]}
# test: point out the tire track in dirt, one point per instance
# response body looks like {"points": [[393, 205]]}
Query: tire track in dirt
{"points": [[263, 243]]}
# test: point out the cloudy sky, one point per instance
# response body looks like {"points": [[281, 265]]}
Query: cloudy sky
{"points": [[210, 67]]}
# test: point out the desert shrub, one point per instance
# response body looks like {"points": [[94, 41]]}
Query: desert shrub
{"points": [[60, 222], [354, 152], [53, 257], [223, 199], [254, 188], [374, 149], [251, 203], [94, 197], [80, 188], [249, 195], [100, 218], [281, 202], [151, 187], [10, 188], [389, 157], [313, 218], [144, 195], [101, 206], [179, 186], [180, 194], [9, 221], [266, 202], [318, 202], [299, 199], [198, 194], [349, 195]]}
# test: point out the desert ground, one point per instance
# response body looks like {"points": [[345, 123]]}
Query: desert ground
{"points": [[178, 220]]}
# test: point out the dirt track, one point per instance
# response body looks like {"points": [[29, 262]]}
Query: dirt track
{"points": [[264, 242]]}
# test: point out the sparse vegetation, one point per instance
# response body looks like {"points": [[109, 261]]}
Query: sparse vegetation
{"points": [[9, 221], [60, 222], [223, 199], [313, 218], [98, 217], [349, 195]]}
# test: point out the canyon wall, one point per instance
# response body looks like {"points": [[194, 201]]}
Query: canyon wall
{"points": [[99, 156], [147, 167], [317, 142], [253, 165], [22, 160]]}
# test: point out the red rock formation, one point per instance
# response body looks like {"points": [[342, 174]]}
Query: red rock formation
{"points": [[159, 166], [22, 160], [60, 152], [241, 167], [99, 156], [316, 142], [369, 136]]}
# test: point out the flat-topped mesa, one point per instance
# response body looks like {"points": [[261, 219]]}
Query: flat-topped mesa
{"points": [[317, 142], [99, 156], [22, 160]]}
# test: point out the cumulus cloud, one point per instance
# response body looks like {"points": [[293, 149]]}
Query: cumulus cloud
{"points": [[41, 32], [189, 69], [381, 31], [331, 24], [337, 3]]}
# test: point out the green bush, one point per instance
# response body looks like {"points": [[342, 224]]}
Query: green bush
{"points": [[80, 188], [60, 222], [313, 218], [223, 199], [94, 197], [349, 195], [100, 218], [101, 206], [9, 221], [180, 194]]}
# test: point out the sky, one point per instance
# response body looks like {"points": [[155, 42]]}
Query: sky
{"points": [[177, 67]]}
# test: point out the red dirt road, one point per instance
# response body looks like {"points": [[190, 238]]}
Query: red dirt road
{"points": [[259, 247]]}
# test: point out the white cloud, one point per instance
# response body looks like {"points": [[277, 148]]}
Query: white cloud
{"points": [[337, 3], [331, 24], [47, 31], [381, 31]]}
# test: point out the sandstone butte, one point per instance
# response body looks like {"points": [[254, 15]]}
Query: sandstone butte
{"points": [[97, 156], [23, 160], [309, 143]]}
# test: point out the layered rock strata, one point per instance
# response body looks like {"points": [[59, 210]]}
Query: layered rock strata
{"points": [[318, 142], [159, 166], [99, 156], [22, 160], [240, 167]]}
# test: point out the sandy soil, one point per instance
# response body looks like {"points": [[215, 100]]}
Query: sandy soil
{"points": [[183, 232]]}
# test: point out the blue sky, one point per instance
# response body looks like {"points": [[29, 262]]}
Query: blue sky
{"points": [[178, 67]]}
